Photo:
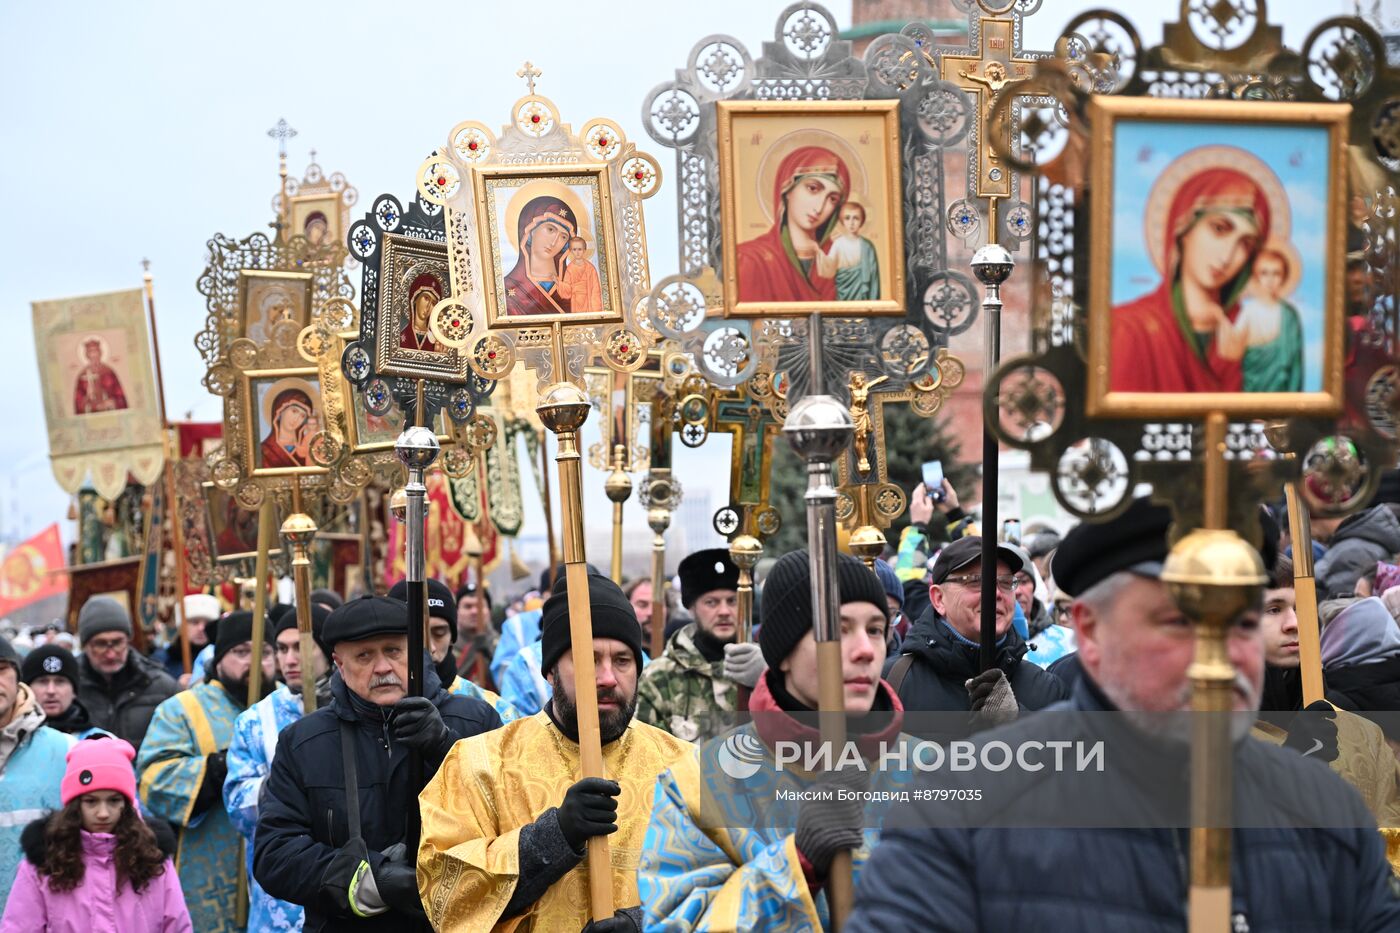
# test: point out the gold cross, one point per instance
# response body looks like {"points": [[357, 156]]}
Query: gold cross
{"points": [[529, 73], [982, 76]]}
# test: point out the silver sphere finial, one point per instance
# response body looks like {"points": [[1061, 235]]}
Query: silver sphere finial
{"points": [[417, 447], [819, 427], [992, 264]]}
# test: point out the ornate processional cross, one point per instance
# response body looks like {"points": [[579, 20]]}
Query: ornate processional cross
{"points": [[982, 76], [529, 73]]}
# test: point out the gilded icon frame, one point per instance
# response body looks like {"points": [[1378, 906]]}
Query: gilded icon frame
{"points": [[1106, 115], [733, 115], [488, 182], [403, 259], [302, 283], [252, 422]]}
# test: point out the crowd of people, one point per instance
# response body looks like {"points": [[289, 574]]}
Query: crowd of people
{"points": [[136, 795]]}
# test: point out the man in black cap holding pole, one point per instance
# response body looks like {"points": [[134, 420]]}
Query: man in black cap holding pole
{"points": [[341, 853], [938, 665]]}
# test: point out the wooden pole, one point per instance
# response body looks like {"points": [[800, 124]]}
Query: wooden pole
{"points": [[1305, 595], [1212, 678], [172, 504], [563, 409], [548, 509], [300, 530], [266, 517]]}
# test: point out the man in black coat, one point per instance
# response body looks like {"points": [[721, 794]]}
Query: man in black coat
{"points": [[304, 852], [1075, 850], [937, 669]]}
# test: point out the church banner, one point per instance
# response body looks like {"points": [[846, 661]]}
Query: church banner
{"points": [[99, 390], [32, 571]]}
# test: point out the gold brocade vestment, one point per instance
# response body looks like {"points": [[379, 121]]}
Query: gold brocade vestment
{"points": [[491, 785]]}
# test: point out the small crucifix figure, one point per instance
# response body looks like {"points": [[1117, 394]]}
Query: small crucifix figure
{"points": [[529, 73], [983, 75]]}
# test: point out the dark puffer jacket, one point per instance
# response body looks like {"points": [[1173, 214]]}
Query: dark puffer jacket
{"points": [[1359, 542], [943, 663], [989, 878], [124, 704], [303, 822]]}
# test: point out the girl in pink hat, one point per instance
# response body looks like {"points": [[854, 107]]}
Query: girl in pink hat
{"points": [[97, 866]]}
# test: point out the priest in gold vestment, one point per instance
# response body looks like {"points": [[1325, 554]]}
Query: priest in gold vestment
{"points": [[506, 819]]}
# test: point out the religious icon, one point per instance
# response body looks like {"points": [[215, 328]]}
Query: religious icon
{"points": [[423, 295], [232, 529], [413, 280], [285, 416], [550, 246], [97, 386], [371, 433], [811, 207], [1217, 273], [317, 218], [268, 298], [860, 417]]}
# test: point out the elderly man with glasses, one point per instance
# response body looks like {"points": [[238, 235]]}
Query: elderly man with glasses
{"points": [[937, 669]]}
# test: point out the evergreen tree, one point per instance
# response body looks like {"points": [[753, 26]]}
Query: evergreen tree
{"points": [[910, 441]]}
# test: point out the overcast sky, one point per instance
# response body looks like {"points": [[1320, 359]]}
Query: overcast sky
{"points": [[139, 130]]}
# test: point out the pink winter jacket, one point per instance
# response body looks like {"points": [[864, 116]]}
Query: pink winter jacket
{"points": [[96, 905]]}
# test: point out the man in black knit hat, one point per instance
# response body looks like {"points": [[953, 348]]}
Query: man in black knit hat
{"points": [[688, 877], [505, 819], [689, 689], [52, 674]]}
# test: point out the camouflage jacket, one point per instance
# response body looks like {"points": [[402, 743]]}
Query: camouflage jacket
{"points": [[685, 694]]}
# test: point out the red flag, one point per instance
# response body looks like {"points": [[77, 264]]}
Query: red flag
{"points": [[32, 571]]}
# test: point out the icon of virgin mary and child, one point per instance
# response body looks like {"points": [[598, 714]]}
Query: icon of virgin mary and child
{"points": [[552, 274], [814, 251], [1219, 320]]}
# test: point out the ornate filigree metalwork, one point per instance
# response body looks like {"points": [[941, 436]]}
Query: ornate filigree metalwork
{"points": [[1227, 50]]}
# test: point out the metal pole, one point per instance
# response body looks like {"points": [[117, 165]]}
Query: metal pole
{"points": [[299, 529], [563, 408], [819, 427], [659, 518], [992, 265], [416, 448]]}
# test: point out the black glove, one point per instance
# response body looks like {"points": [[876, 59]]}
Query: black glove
{"points": [[211, 790], [589, 809], [826, 826], [628, 920], [418, 724], [991, 696], [398, 887], [1314, 732]]}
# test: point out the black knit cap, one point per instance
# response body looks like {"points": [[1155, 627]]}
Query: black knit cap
{"points": [[366, 617], [279, 612], [787, 600], [1135, 541], [319, 615], [469, 589], [234, 629], [49, 661], [612, 613], [705, 571], [440, 602]]}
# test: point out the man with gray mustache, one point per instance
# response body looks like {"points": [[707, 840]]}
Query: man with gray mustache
{"points": [[342, 855], [1070, 850]]}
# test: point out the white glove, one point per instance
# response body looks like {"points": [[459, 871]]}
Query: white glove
{"points": [[744, 664]]}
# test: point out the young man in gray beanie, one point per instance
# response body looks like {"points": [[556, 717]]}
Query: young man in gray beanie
{"points": [[688, 877], [120, 688]]}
